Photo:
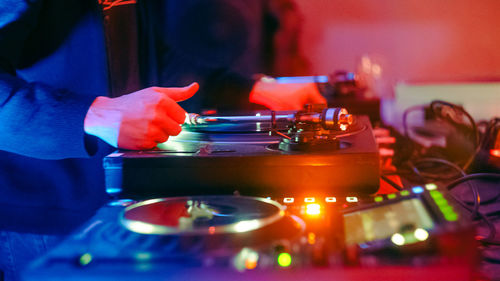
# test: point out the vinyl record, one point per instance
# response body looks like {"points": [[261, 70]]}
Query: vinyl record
{"points": [[200, 215], [237, 127]]}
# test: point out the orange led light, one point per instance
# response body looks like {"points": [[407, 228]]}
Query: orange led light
{"points": [[250, 263], [330, 199], [311, 238], [495, 152], [309, 199], [313, 209]]}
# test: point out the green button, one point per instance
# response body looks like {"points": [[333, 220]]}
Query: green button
{"points": [[451, 217], [441, 202], [405, 193], [378, 199], [284, 259], [85, 259], [436, 194], [391, 196], [446, 209]]}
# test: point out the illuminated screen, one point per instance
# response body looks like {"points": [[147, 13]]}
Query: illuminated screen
{"points": [[383, 221]]}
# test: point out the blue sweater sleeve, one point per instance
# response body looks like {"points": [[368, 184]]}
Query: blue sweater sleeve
{"points": [[36, 120]]}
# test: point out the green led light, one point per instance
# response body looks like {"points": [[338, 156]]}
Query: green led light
{"points": [[431, 186], [284, 259], [441, 202], [142, 256], [436, 194], [446, 209], [378, 199], [85, 259], [391, 196], [405, 193], [451, 217]]}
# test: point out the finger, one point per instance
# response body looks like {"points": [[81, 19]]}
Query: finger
{"points": [[317, 99], [179, 94], [168, 126], [171, 109], [157, 134], [136, 145], [315, 96], [292, 103], [148, 144]]}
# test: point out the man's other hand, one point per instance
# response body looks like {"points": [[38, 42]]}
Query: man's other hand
{"points": [[139, 120], [285, 96]]}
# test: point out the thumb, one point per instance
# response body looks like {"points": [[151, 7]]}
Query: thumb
{"points": [[179, 94], [315, 96]]}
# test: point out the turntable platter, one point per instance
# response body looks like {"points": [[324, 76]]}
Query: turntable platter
{"points": [[199, 215]]}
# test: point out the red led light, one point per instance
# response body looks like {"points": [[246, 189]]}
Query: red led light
{"points": [[495, 152], [209, 112]]}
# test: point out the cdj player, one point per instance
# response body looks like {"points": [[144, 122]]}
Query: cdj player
{"points": [[416, 234]]}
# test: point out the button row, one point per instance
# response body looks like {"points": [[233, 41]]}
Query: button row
{"points": [[290, 200], [415, 190]]}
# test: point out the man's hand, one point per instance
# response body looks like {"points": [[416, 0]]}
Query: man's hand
{"points": [[139, 120], [285, 96]]}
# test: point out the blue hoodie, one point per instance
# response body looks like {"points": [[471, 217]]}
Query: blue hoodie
{"points": [[52, 66]]}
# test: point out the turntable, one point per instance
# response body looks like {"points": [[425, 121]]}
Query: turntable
{"points": [[313, 152]]}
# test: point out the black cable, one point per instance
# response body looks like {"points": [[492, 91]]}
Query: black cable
{"points": [[491, 227], [475, 210], [456, 182], [416, 171], [437, 174], [391, 182], [442, 161], [405, 117], [473, 189], [490, 242], [493, 214], [461, 109], [477, 137], [478, 144], [491, 260], [426, 177], [490, 128], [490, 239]]}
